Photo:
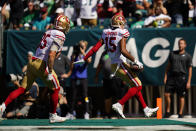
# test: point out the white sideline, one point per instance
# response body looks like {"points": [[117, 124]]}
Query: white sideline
{"points": [[99, 128]]}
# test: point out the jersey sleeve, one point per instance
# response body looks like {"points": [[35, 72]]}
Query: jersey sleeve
{"points": [[125, 33], [190, 63], [58, 41], [55, 47]]}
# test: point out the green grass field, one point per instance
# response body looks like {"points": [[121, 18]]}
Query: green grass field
{"points": [[98, 124], [102, 122]]}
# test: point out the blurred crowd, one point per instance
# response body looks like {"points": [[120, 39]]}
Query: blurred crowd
{"points": [[40, 14]]}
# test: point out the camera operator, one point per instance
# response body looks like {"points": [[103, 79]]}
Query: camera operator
{"points": [[16, 78], [79, 77]]}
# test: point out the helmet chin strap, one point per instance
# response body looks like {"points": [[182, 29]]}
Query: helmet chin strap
{"points": [[62, 30], [117, 26]]}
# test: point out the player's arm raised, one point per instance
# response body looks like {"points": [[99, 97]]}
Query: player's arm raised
{"points": [[94, 49]]}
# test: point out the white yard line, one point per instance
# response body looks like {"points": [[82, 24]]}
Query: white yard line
{"points": [[192, 120]]}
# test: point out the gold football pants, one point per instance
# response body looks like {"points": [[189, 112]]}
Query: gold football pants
{"points": [[38, 69], [126, 74]]}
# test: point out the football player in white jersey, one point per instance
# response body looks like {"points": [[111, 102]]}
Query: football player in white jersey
{"points": [[41, 66], [115, 41]]}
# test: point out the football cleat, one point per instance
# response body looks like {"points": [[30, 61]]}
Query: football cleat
{"points": [[70, 116], [86, 116], [118, 108], [2, 109], [150, 111], [55, 118]]}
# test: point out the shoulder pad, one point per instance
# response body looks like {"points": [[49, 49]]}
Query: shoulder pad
{"points": [[125, 33]]}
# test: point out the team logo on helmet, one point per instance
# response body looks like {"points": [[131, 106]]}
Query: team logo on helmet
{"points": [[118, 20], [63, 23]]}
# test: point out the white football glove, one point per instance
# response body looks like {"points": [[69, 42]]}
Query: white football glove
{"points": [[50, 77], [79, 61], [139, 64]]}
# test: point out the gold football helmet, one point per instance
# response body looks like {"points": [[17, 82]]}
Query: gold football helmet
{"points": [[118, 20], [62, 23]]}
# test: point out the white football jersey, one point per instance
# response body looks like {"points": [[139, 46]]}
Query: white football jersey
{"points": [[88, 9], [112, 40], [50, 37]]}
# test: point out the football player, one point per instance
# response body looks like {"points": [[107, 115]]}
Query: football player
{"points": [[115, 40], [41, 66]]}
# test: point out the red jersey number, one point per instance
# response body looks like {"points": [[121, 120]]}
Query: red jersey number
{"points": [[43, 41], [110, 42]]}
